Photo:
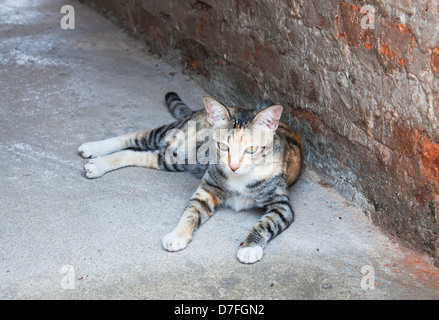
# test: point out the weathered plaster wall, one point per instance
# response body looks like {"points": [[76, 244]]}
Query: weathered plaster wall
{"points": [[365, 98]]}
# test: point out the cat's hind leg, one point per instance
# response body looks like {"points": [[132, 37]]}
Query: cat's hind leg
{"points": [[144, 140], [97, 167], [96, 149], [155, 159]]}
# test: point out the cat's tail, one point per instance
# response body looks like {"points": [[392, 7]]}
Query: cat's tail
{"points": [[176, 106]]}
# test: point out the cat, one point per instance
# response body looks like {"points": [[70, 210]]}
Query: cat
{"points": [[242, 170]]}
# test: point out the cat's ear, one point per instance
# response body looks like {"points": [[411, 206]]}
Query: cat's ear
{"points": [[268, 118], [217, 114]]}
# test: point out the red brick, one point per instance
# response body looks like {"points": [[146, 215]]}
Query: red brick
{"points": [[396, 44], [435, 60], [429, 156]]}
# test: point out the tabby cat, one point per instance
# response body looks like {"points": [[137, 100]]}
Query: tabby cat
{"points": [[243, 171]]}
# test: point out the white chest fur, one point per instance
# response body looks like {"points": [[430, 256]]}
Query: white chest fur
{"points": [[240, 203], [239, 184]]}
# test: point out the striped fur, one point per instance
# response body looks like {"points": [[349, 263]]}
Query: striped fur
{"points": [[248, 172], [176, 106]]}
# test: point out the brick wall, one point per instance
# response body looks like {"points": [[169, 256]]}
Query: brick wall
{"points": [[360, 80]]}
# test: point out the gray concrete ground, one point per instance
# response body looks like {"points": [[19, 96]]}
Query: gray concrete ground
{"points": [[60, 88]]}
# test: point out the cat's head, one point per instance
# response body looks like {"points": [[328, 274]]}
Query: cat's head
{"points": [[242, 138]]}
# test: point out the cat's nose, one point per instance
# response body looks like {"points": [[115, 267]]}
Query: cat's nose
{"points": [[234, 167]]}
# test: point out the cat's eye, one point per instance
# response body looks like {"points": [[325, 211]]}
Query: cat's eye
{"points": [[223, 146], [251, 150]]}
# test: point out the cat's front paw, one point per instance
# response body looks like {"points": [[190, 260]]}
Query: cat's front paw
{"points": [[173, 242], [93, 149], [250, 254], [94, 169]]}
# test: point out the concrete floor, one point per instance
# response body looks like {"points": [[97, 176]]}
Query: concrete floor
{"points": [[60, 88]]}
